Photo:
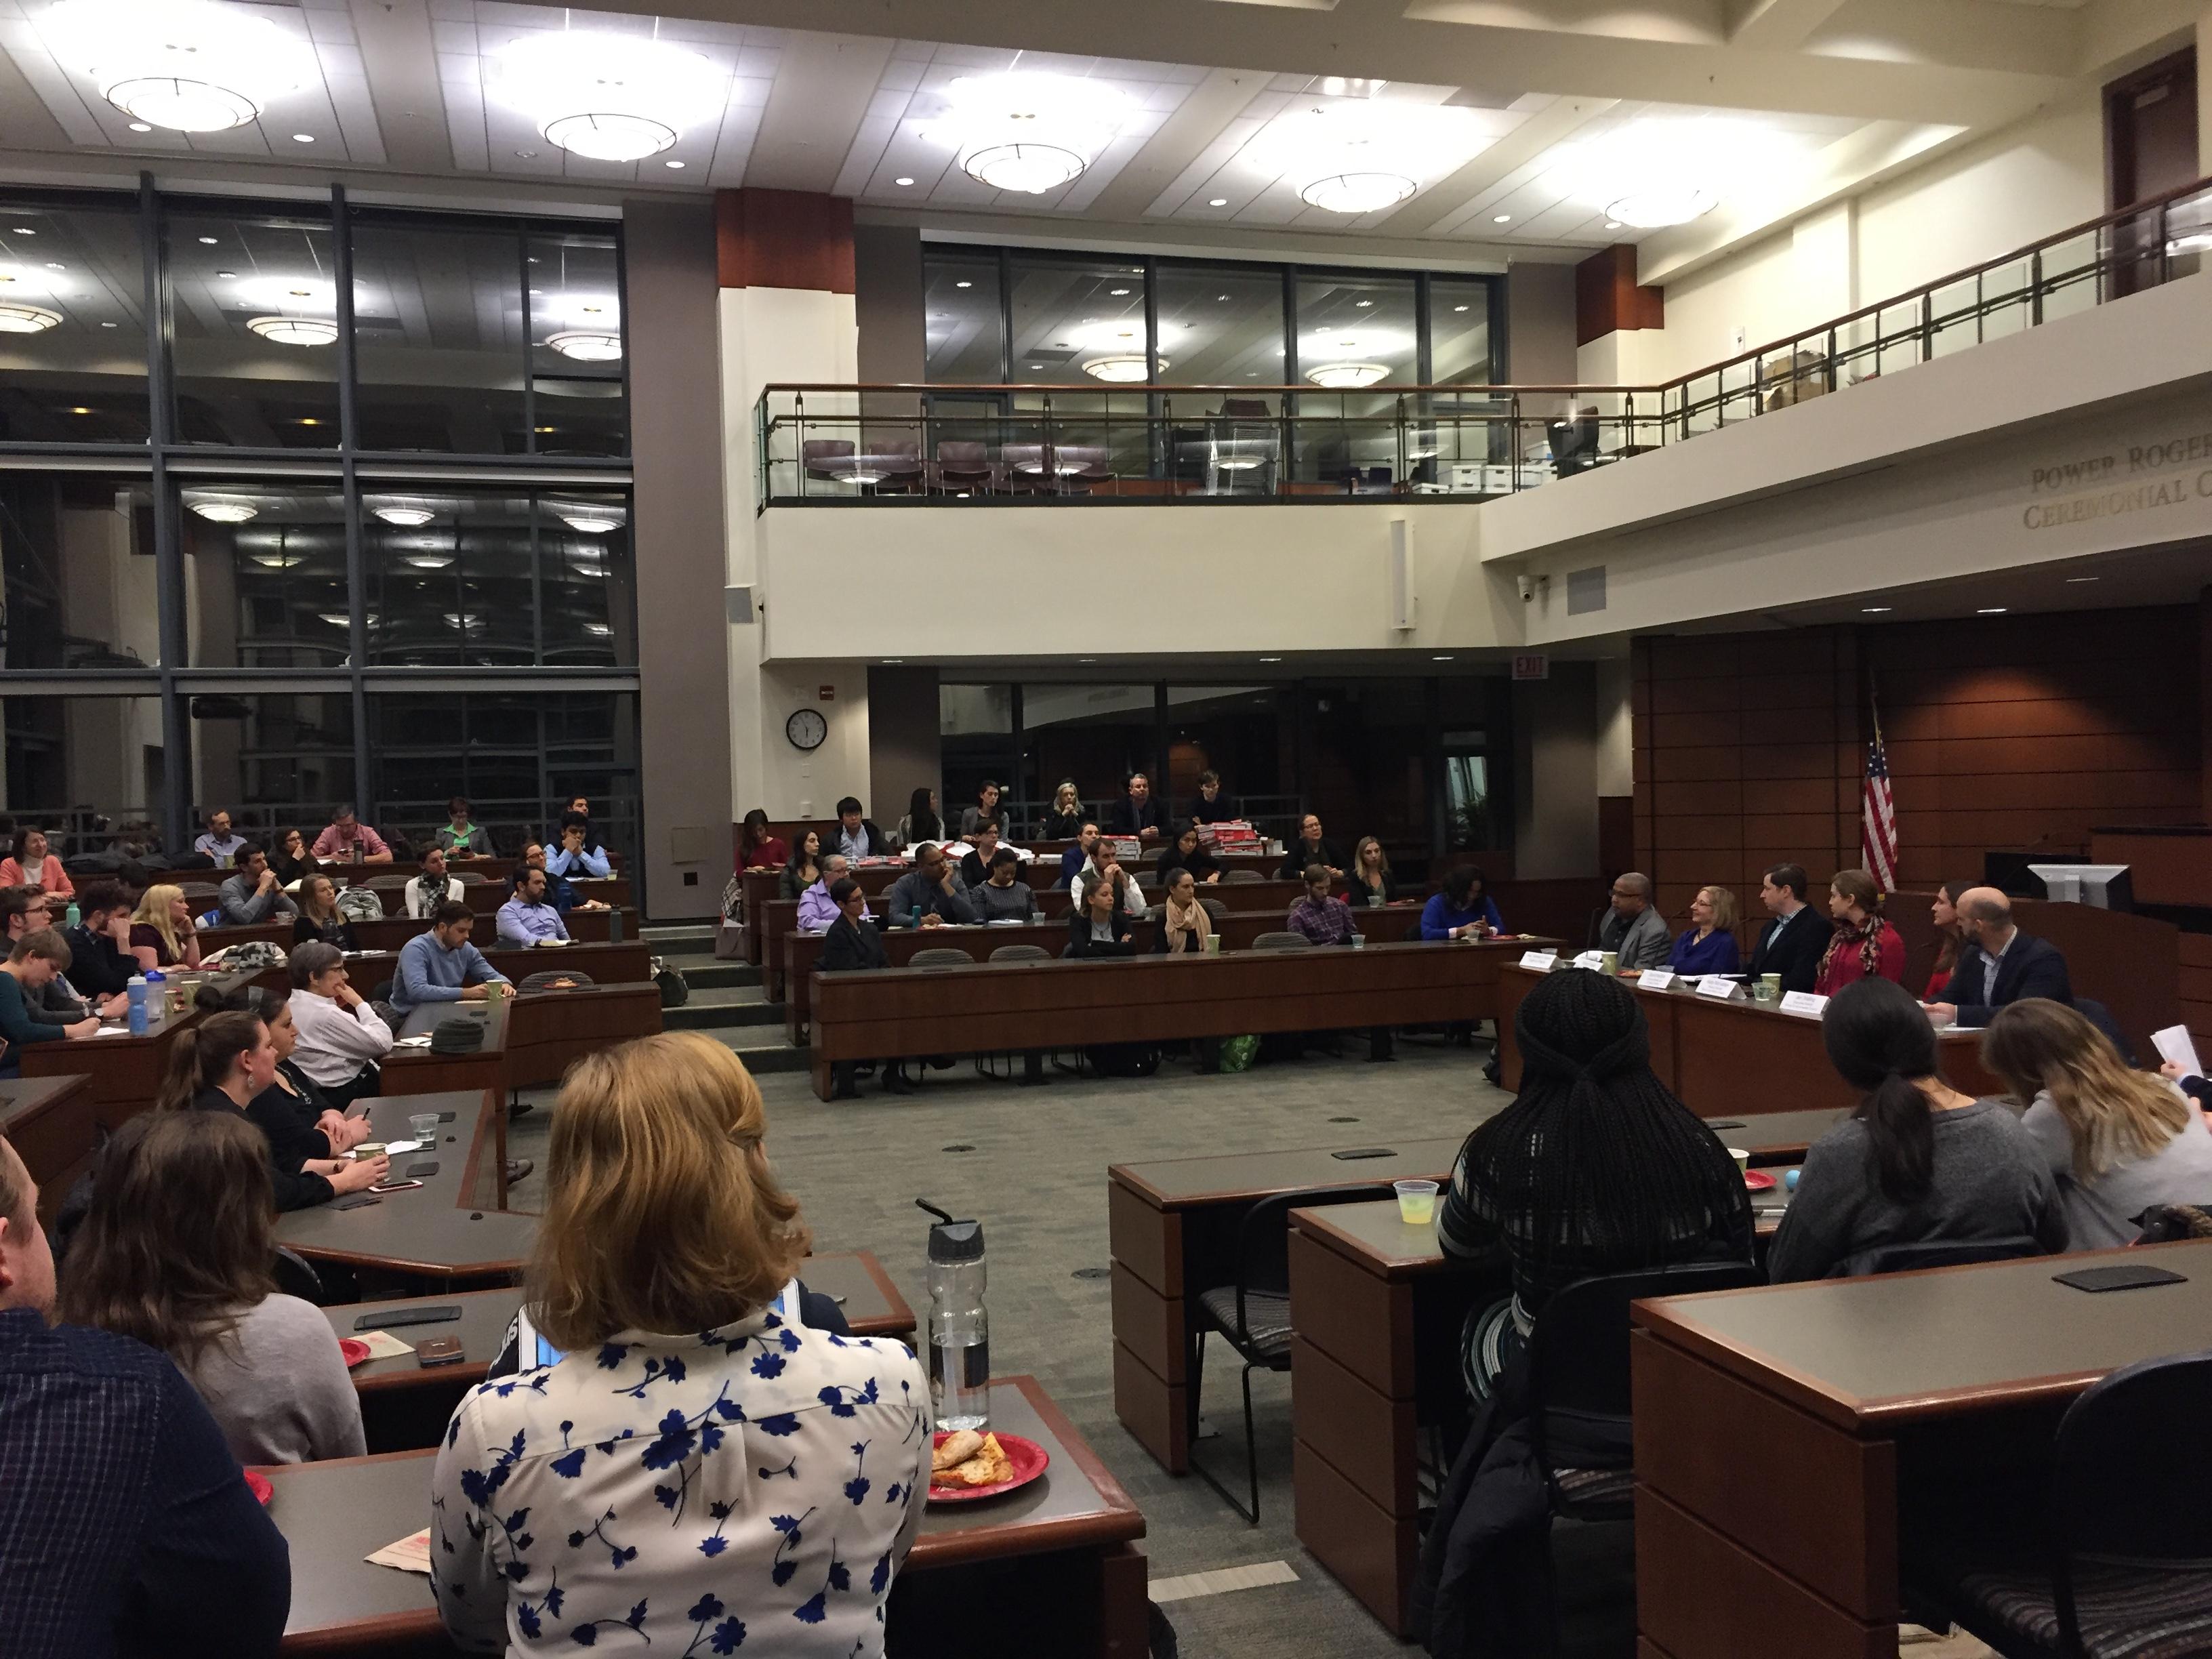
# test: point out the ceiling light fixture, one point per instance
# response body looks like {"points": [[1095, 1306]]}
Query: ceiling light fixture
{"points": [[1030, 133], [427, 561], [1116, 292], [964, 284], [1990, 610], [207, 241], [1459, 307], [223, 512], [303, 138], [588, 521], [1445, 658], [294, 330], [1119, 370], [1347, 377], [152, 59], [25, 230], [141, 126], [25, 320], [1652, 173], [2072, 579], [1875, 610], [675, 166], [608, 97], [405, 516], [586, 345], [1356, 156], [1495, 219], [1218, 201], [1270, 659], [904, 183]]}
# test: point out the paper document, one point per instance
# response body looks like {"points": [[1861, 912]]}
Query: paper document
{"points": [[409, 1554], [2174, 1044], [382, 1345]]}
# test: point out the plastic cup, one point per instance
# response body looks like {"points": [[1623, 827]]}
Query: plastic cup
{"points": [[1417, 1202], [424, 1127], [1611, 961], [1358, 940], [1770, 987], [1742, 1159], [1213, 945]]}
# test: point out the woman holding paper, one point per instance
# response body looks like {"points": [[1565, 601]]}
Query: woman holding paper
{"points": [[1708, 945]]}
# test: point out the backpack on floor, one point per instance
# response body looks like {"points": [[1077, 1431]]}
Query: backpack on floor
{"points": [[675, 989], [1237, 1052]]}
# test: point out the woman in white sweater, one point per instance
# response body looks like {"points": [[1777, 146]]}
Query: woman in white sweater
{"points": [[175, 1251], [341, 1037]]}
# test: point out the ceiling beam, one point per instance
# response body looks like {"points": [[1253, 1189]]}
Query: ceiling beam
{"points": [[1206, 109], [820, 93], [1776, 25], [401, 66], [1554, 124]]}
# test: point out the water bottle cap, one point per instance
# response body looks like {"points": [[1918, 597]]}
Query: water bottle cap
{"points": [[153, 974], [956, 1242]]}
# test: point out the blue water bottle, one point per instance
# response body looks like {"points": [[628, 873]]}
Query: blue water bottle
{"points": [[136, 990]]}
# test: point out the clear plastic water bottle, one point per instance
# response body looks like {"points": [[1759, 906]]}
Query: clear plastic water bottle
{"points": [[136, 990], [72, 915], [959, 1357]]}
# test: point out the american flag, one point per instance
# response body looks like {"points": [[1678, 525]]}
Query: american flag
{"points": [[1878, 816]]}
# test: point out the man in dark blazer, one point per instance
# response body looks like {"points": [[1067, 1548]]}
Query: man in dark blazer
{"points": [[1999, 965], [852, 944], [1137, 813], [1794, 942]]}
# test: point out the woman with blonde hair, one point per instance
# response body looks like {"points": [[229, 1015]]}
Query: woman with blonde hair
{"points": [[1064, 820], [689, 1419], [163, 933], [1370, 877], [2118, 1140], [1708, 945], [1864, 945]]}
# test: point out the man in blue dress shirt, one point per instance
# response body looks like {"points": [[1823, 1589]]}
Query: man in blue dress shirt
{"points": [[528, 918]]}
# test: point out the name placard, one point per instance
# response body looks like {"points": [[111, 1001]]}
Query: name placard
{"points": [[1655, 979], [1541, 961], [1714, 986], [1804, 1002], [1590, 959]]}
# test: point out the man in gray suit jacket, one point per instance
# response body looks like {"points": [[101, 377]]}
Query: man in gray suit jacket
{"points": [[1633, 930]]}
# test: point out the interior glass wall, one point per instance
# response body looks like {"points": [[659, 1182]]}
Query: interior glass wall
{"points": [[963, 328], [580, 399], [264, 575], [253, 327], [72, 323], [91, 769], [76, 572]]}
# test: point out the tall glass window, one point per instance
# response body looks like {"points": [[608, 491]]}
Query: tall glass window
{"points": [[1221, 324], [518, 755], [76, 572], [264, 575], [72, 324], [1357, 329], [962, 327], [254, 327], [1459, 331], [89, 770], [1078, 321], [274, 760], [1096, 735], [580, 405], [438, 339]]}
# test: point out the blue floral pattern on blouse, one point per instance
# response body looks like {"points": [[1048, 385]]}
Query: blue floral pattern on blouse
{"points": [[750, 1488]]}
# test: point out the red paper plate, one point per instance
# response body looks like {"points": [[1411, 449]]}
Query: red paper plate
{"points": [[262, 1492], [1757, 1180], [1028, 1458], [354, 1350]]}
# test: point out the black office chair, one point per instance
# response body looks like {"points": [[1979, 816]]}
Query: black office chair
{"points": [[1578, 1392], [2123, 1565], [987, 1065], [1214, 908], [1945, 1253], [1241, 875], [1281, 939], [296, 1276], [2101, 1016], [543, 979], [1253, 1312]]}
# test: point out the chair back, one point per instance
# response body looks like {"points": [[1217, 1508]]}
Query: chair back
{"points": [[545, 978], [1084, 461], [1263, 1237], [1940, 1253], [1241, 875], [1246, 409], [1213, 907], [818, 452], [1027, 460], [1279, 941], [2101, 1016], [941, 955], [1021, 953], [296, 1276], [2133, 1457]]}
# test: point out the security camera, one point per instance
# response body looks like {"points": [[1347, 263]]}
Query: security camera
{"points": [[1527, 589]]}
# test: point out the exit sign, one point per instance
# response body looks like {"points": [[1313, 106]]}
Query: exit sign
{"points": [[1532, 666]]}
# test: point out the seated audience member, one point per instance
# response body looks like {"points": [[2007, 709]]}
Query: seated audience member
{"points": [[1863, 944], [929, 894], [1136, 813], [36, 958], [1098, 926], [1917, 1163], [341, 1037], [578, 858], [428, 889], [130, 1529], [562, 894], [253, 894], [803, 869], [921, 822], [1792, 945], [976, 860], [347, 839], [1067, 817], [1370, 879], [1594, 1167], [818, 906], [33, 866], [1999, 963], [579, 808], [851, 945], [2117, 1140], [666, 1244], [1128, 892], [219, 843], [1944, 913], [528, 918], [1708, 945], [442, 966], [856, 836], [757, 849], [162, 931], [155, 1261], [1188, 851], [303, 1125], [319, 920], [1073, 859], [1633, 930], [987, 795], [100, 964], [289, 857], [461, 836], [1310, 848], [25, 910], [1464, 910], [1316, 916], [1184, 925], [1003, 896], [1211, 806], [223, 1065]]}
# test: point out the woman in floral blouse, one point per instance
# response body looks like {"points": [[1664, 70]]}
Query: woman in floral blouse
{"points": [[698, 1471]]}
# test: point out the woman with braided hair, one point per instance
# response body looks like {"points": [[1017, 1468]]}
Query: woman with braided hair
{"points": [[1595, 1169]]}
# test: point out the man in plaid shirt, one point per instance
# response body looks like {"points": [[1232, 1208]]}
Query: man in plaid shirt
{"points": [[1324, 919]]}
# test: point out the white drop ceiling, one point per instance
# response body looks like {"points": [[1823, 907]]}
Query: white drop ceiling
{"points": [[1834, 91]]}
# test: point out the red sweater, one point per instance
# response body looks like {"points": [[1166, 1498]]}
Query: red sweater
{"points": [[1845, 965]]}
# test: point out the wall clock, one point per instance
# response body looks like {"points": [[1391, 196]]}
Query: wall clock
{"points": [[806, 728]]}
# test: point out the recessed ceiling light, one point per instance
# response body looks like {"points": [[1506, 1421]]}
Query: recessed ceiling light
{"points": [[1218, 201], [25, 230], [1218, 297], [1613, 224], [528, 155], [902, 183], [1086, 659], [140, 126], [893, 662], [675, 166], [1875, 610], [1501, 219], [80, 410], [963, 284], [227, 275], [108, 325], [1116, 292], [2070, 580], [1363, 304], [1459, 307], [207, 241], [309, 420], [1990, 610], [56, 265], [1440, 659], [303, 138], [1270, 659], [1037, 365]]}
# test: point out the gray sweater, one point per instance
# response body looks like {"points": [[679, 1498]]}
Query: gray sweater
{"points": [[1643, 943], [278, 1386], [1991, 1182], [2101, 1211], [1016, 901], [243, 907]]}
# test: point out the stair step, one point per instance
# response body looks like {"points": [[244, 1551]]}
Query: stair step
{"points": [[679, 936], [764, 1058], [704, 973], [701, 1015]]}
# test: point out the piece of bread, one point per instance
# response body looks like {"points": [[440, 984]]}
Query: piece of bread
{"points": [[987, 1467], [955, 1449]]}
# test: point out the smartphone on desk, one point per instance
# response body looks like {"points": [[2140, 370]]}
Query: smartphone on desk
{"points": [[393, 1186], [438, 1351]]}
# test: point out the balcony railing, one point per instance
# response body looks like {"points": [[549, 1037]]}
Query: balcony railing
{"points": [[823, 445]]}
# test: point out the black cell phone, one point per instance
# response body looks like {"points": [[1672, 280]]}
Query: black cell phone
{"points": [[420, 1171], [2128, 1278], [1717, 1124], [355, 1201], [1366, 1151], [436, 1315]]}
